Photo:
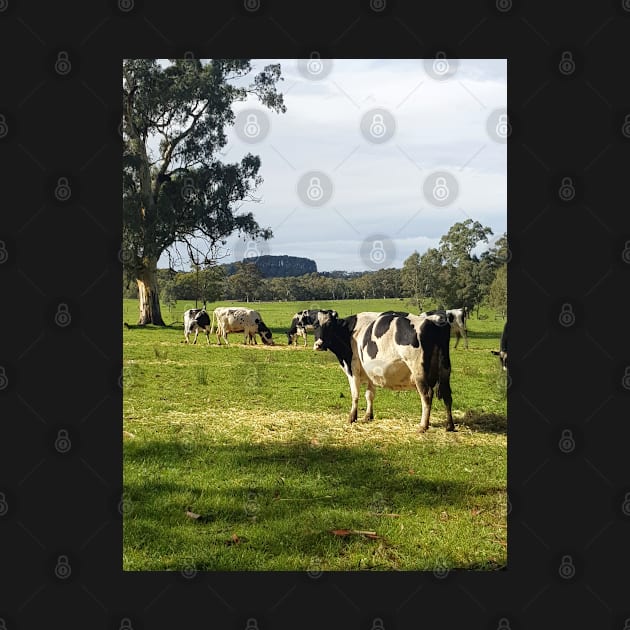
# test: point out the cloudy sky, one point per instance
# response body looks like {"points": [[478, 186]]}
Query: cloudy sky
{"points": [[374, 159]]}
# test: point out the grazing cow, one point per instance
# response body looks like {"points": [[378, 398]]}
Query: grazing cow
{"points": [[296, 331], [457, 320], [394, 350], [196, 319], [237, 319], [301, 323], [502, 353]]}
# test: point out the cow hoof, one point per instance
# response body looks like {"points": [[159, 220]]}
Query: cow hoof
{"points": [[422, 429], [451, 428]]}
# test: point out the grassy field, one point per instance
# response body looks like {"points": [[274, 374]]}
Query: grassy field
{"points": [[255, 440]]}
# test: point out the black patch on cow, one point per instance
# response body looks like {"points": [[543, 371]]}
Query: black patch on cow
{"points": [[431, 336], [405, 333], [383, 323], [202, 319], [504, 338], [336, 335], [368, 345], [257, 321]]}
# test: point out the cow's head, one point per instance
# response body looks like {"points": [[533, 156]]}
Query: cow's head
{"points": [[502, 354], [265, 334], [323, 328]]}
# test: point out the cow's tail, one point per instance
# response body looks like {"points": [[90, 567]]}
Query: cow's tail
{"points": [[443, 387]]}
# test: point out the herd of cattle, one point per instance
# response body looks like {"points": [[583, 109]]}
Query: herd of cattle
{"points": [[391, 349]]}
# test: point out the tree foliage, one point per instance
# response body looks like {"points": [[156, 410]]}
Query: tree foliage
{"points": [[182, 192]]}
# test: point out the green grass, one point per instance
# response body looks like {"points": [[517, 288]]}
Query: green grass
{"points": [[255, 439]]}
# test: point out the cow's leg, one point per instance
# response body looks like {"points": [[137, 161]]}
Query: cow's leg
{"points": [[426, 396], [457, 336], [355, 386], [196, 333], [305, 338], [466, 340], [369, 397], [444, 392], [207, 337]]}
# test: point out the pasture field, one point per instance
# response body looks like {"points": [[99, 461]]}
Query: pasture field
{"points": [[255, 440]]}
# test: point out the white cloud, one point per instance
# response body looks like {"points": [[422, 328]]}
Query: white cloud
{"points": [[440, 125]]}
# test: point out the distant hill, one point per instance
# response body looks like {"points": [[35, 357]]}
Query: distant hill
{"points": [[278, 266]]}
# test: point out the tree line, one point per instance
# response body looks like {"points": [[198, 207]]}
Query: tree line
{"points": [[447, 276]]}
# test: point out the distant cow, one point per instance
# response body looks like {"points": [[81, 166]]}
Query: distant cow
{"points": [[302, 322], [196, 319], [502, 353], [296, 331], [237, 319], [394, 350], [457, 319]]}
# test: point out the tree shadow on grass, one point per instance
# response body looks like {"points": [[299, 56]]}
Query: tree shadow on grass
{"points": [[484, 422], [285, 495]]}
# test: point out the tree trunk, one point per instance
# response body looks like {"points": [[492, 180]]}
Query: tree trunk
{"points": [[148, 292]]}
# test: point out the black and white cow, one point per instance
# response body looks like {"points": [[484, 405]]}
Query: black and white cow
{"points": [[503, 352], [239, 319], [457, 320], [458, 324], [296, 331], [394, 350], [302, 322], [196, 319]]}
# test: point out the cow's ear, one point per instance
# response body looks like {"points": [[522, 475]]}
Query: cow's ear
{"points": [[334, 314]]}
